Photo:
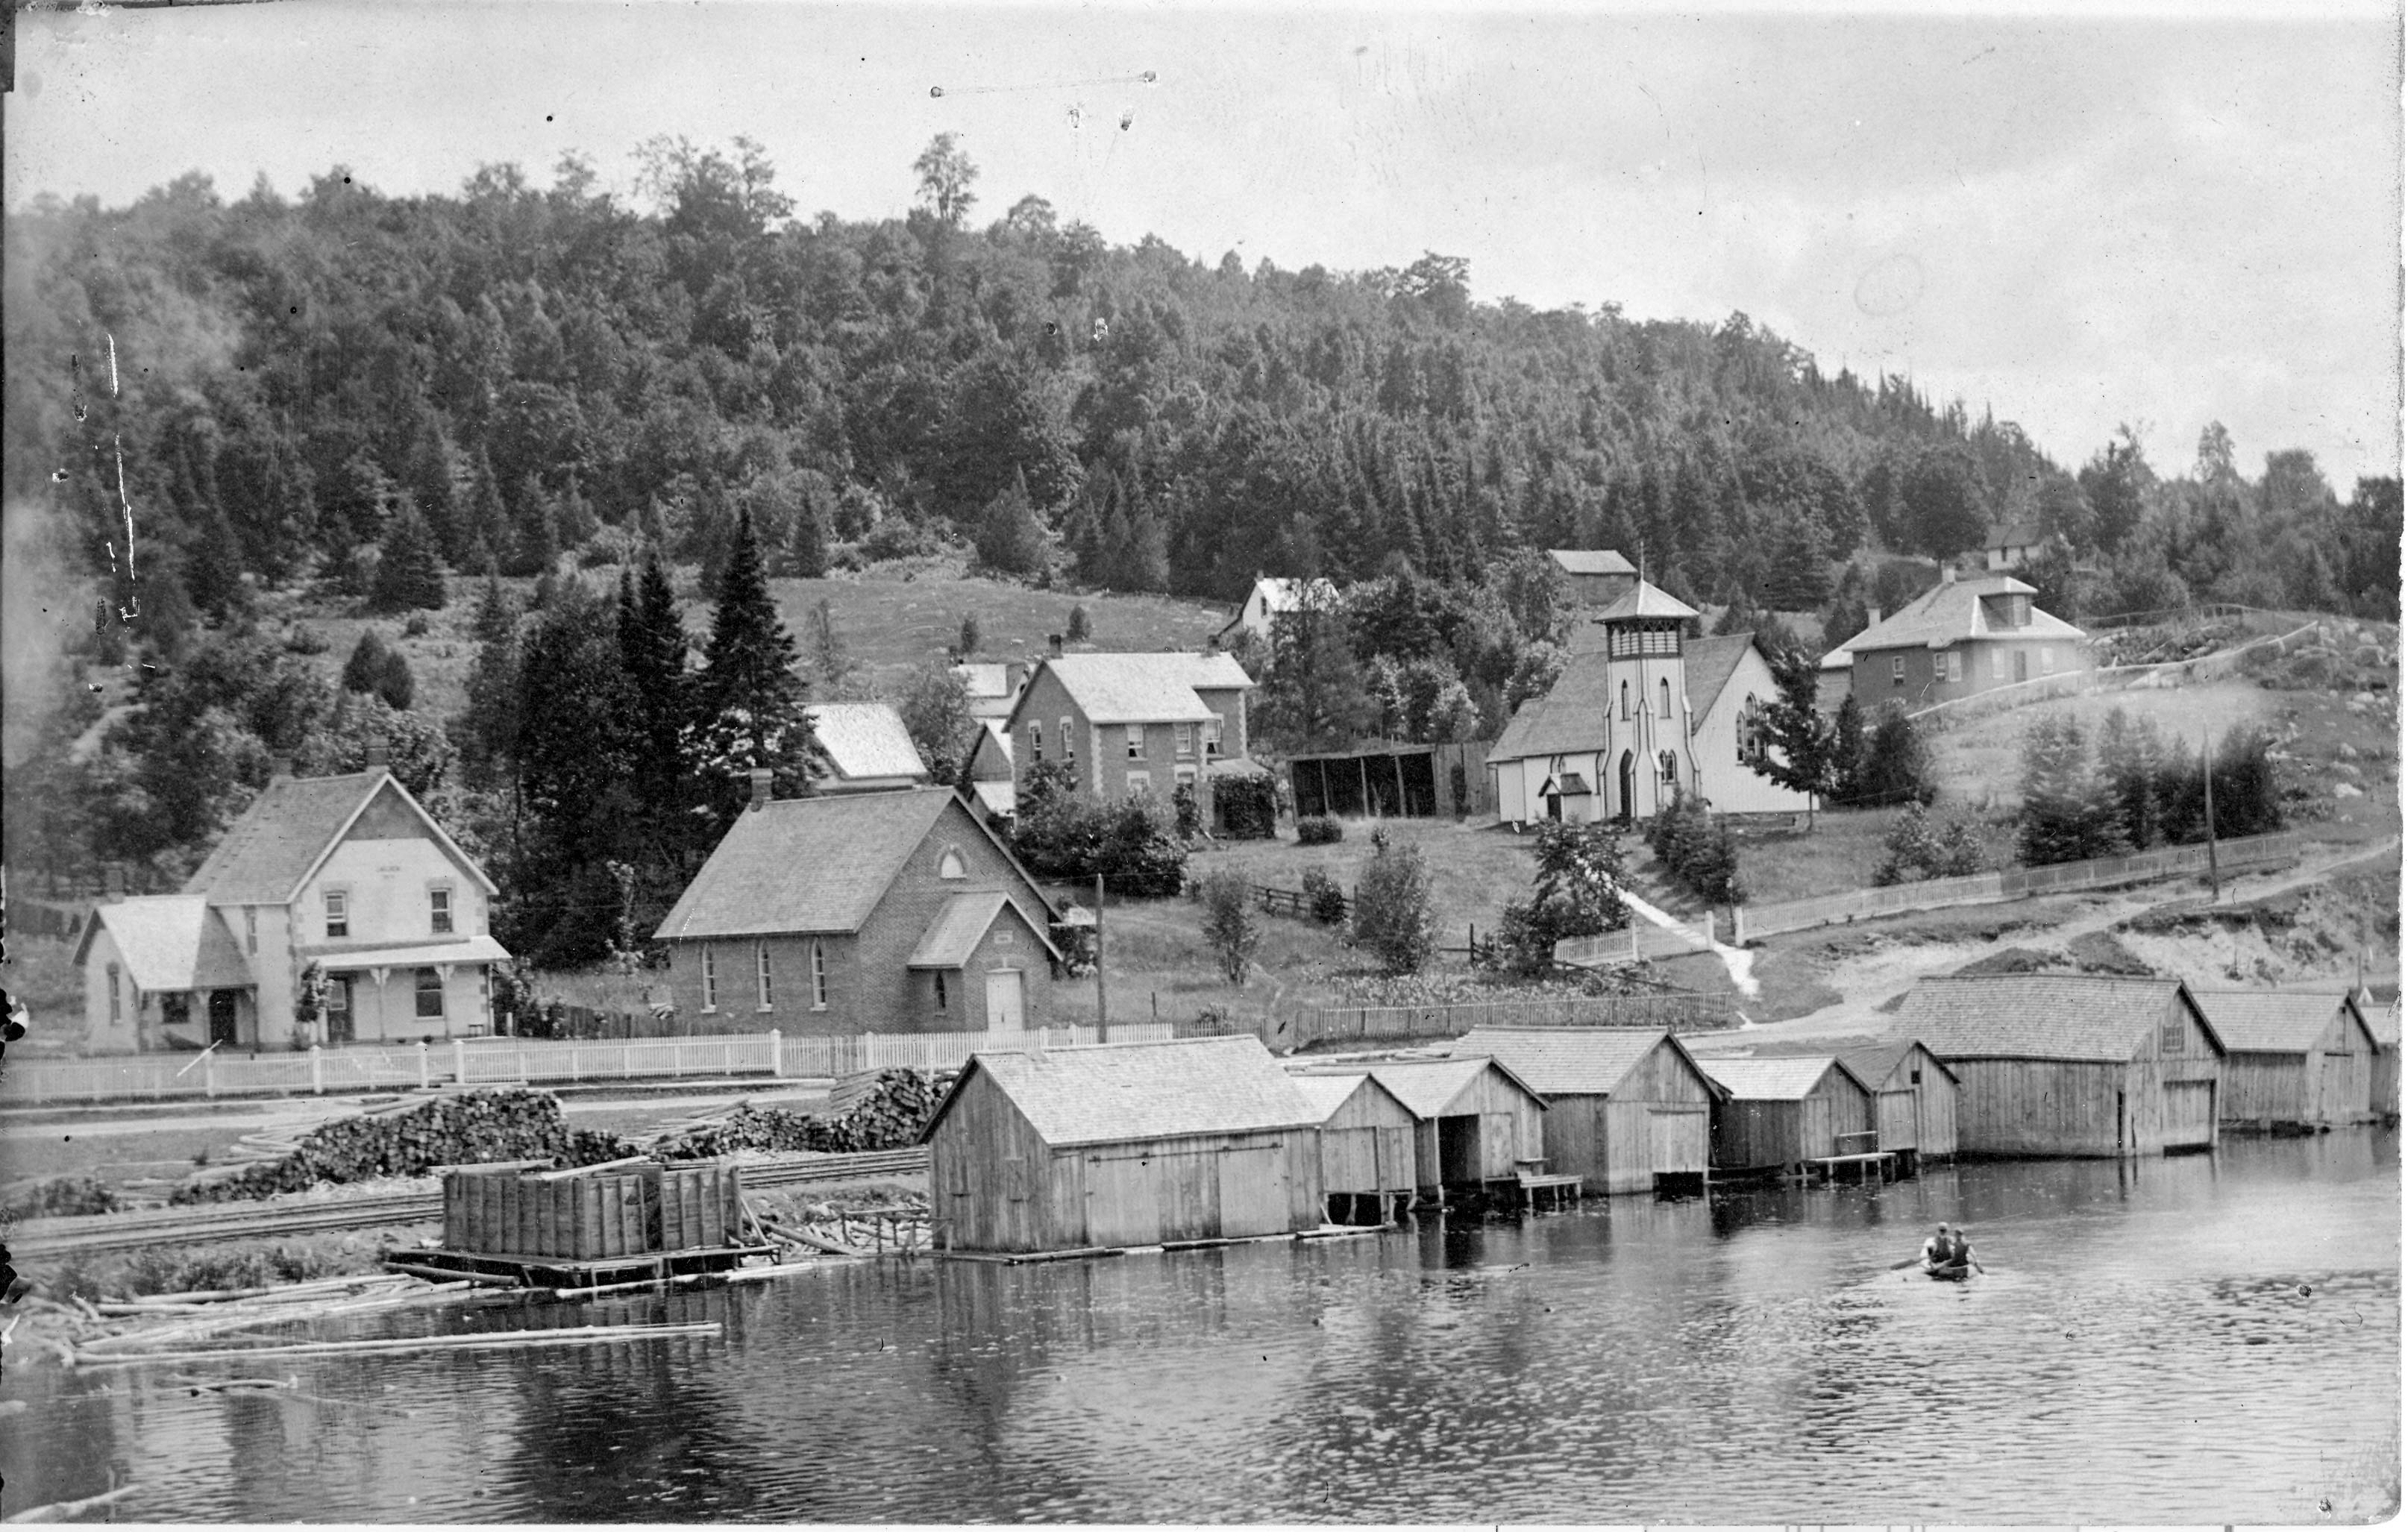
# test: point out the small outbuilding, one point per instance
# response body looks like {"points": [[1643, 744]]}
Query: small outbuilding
{"points": [[2062, 1064], [1914, 1100], [1629, 1110], [2385, 1091], [1475, 1121], [1367, 1146], [1120, 1145], [1774, 1114], [2293, 1059]]}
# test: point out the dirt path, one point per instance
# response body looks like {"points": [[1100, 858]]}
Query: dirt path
{"points": [[1867, 982]]}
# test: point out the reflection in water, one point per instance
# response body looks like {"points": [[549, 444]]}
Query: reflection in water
{"points": [[2154, 1340]]}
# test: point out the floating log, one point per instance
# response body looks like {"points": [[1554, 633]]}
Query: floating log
{"points": [[59, 1510], [590, 1335]]}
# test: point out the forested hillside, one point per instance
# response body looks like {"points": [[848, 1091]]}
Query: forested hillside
{"points": [[214, 404]]}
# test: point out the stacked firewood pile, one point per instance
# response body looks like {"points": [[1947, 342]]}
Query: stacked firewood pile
{"points": [[412, 1140], [889, 1113]]}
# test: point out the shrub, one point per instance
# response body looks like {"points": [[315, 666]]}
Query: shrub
{"points": [[1247, 807], [1696, 848], [1916, 849], [64, 1196], [1577, 893], [1323, 898], [1392, 910], [1319, 830], [1229, 925], [1187, 821], [416, 626], [301, 638], [1079, 629], [897, 536], [1896, 767], [1062, 835]]}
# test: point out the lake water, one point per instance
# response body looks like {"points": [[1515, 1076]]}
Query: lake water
{"points": [[2201, 1340]]}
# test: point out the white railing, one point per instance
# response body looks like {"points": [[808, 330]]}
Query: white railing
{"points": [[519, 1061], [1639, 940], [1750, 921]]}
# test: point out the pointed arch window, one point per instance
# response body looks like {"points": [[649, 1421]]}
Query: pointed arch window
{"points": [[1626, 699], [1664, 697]]}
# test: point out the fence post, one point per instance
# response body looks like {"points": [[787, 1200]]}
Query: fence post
{"points": [[522, 1064], [425, 1073], [868, 1059], [210, 1073], [317, 1071], [776, 1054]]}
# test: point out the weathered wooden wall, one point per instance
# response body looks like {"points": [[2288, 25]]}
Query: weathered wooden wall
{"points": [[1897, 1118], [1935, 1103], [1655, 1124], [2345, 1086], [1231, 1186], [1835, 1105], [2384, 1081], [2165, 1097], [989, 1178], [1755, 1134], [2265, 1088], [1366, 1145]]}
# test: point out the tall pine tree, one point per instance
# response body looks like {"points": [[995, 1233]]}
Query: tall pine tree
{"points": [[752, 700]]}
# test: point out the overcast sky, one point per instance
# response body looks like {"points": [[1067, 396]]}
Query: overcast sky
{"points": [[2076, 222]]}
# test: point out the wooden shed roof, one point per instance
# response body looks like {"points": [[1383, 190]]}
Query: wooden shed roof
{"points": [[2071, 1018], [2274, 1021], [1428, 1087], [1571, 1060], [1775, 1079], [1117, 1092], [1876, 1061], [1325, 1094]]}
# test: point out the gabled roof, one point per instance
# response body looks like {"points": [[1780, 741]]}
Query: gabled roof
{"points": [[865, 739], [2077, 1017], [2015, 535], [1707, 665], [1570, 1060], [2274, 1021], [1591, 561], [1122, 1092], [1141, 688], [815, 864], [266, 855], [1876, 1061], [986, 679], [953, 937], [415, 954], [170, 941], [1951, 613], [1325, 1094], [1645, 600], [1570, 719], [1428, 1087], [1775, 1079], [992, 761]]}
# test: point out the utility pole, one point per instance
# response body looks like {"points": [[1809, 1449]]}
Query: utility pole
{"points": [[2207, 777], [1103, 1028]]}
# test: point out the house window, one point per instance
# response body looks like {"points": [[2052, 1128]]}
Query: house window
{"points": [[1914, 1076], [709, 978], [1212, 741], [760, 973], [116, 997], [1898, 670], [2047, 659], [2170, 1034], [1069, 751], [1626, 699], [1183, 741], [1998, 664], [430, 995], [439, 902], [819, 977], [338, 1008], [940, 989], [950, 865], [338, 913], [1137, 741], [1035, 742], [250, 929], [1183, 775], [1955, 666], [1140, 782]]}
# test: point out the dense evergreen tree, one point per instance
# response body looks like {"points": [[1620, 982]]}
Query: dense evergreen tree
{"points": [[409, 565], [750, 700]]}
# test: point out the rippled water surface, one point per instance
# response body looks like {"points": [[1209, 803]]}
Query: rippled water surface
{"points": [[2206, 1339]]}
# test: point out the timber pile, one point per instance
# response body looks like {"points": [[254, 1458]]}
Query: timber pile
{"points": [[411, 1139], [898, 1228], [888, 1114]]}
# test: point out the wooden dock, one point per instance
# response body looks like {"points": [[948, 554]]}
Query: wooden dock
{"points": [[1872, 1164], [569, 1275]]}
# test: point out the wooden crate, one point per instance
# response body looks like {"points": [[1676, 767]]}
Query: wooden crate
{"points": [[628, 1210]]}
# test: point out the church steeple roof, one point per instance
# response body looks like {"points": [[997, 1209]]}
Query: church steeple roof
{"points": [[1645, 600]]}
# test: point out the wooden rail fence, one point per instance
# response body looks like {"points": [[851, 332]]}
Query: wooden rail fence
{"points": [[1302, 1028]]}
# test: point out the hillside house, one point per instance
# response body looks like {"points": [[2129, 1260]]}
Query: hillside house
{"points": [[861, 912], [2293, 1059], [1134, 726], [863, 747], [2071, 1065], [1120, 1145], [2012, 545], [1475, 1121], [1596, 577], [1272, 598], [1960, 638], [1628, 1108], [1774, 1114], [1646, 712], [1367, 1146], [341, 885], [992, 686]]}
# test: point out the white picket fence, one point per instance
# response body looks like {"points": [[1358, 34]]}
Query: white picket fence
{"points": [[516, 1061], [1639, 941]]}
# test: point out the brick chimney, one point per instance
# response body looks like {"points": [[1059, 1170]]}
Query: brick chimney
{"points": [[379, 753], [1872, 617], [113, 878], [1947, 574], [1053, 645], [279, 767], [760, 788]]}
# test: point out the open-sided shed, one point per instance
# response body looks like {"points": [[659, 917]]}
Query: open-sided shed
{"points": [[1915, 1099], [1475, 1121], [1120, 1145], [1777, 1113], [2292, 1058], [2060, 1063], [1629, 1110], [1367, 1144]]}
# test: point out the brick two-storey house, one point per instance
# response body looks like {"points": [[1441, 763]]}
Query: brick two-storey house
{"points": [[1137, 724], [1959, 638], [895, 912]]}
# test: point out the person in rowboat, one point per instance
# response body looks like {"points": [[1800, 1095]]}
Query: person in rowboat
{"points": [[1960, 1249], [1936, 1249]]}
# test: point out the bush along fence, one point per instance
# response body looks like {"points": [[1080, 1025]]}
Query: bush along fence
{"points": [[1752, 921], [518, 1061], [1307, 1025]]}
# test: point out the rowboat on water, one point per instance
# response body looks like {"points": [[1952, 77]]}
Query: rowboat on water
{"points": [[1948, 1271]]}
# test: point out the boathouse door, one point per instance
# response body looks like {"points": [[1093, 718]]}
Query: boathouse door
{"points": [[1254, 1192], [1458, 1149], [2189, 1115]]}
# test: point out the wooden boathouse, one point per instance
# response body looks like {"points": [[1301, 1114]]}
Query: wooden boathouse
{"points": [[1476, 1123], [2076, 1065], [2385, 1024], [1914, 1100], [1777, 1115], [1367, 1146], [1628, 1108], [1120, 1145], [2293, 1059]]}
